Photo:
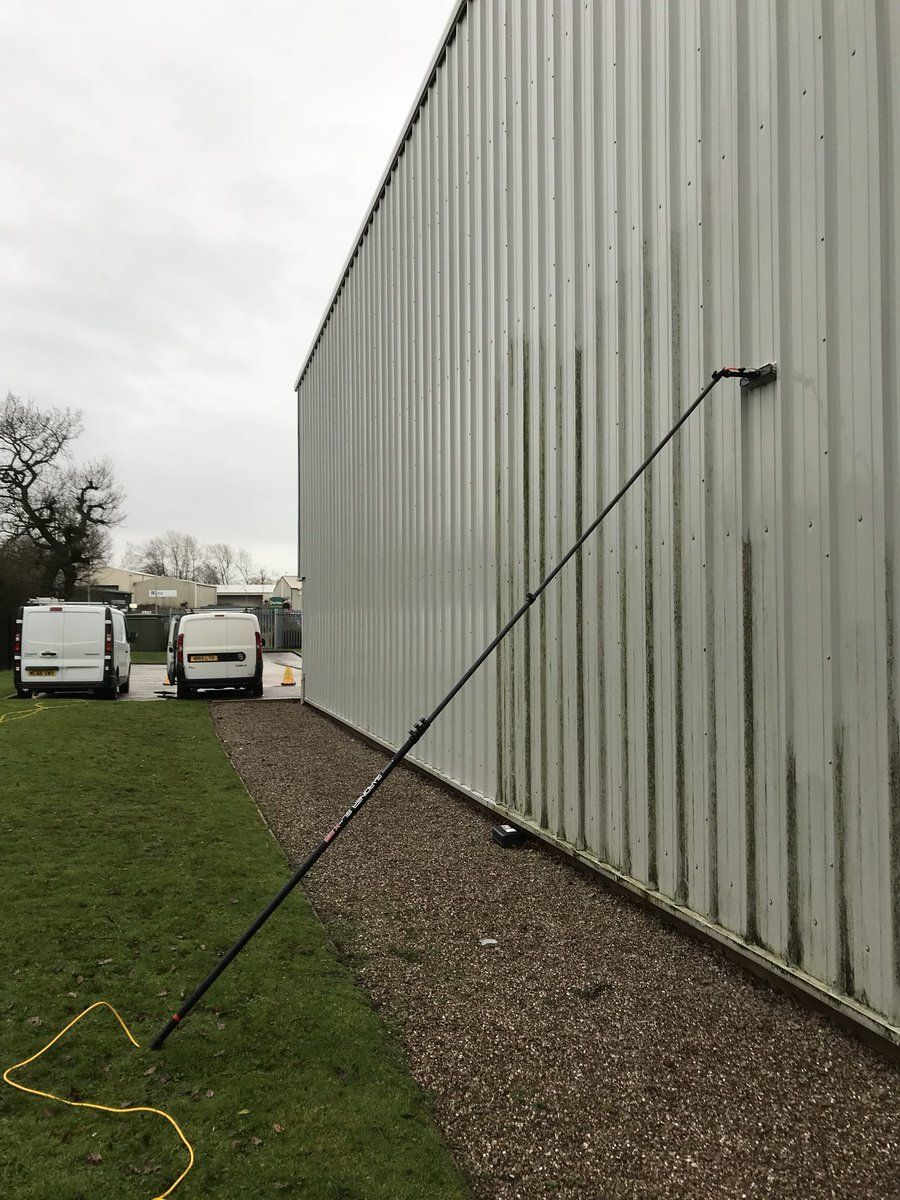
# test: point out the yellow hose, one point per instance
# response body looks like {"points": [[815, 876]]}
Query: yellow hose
{"points": [[21, 714], [101, 1107]]}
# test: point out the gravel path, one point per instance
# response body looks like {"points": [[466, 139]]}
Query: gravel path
{"points": [[593, 1052]]}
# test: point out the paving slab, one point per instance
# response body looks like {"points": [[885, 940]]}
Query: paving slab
{"points": [[148, 681]]}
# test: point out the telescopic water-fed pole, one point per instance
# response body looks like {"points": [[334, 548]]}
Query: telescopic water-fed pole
{"points": [[750, 377]]}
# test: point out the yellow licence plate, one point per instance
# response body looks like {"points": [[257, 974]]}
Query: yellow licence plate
{"points": [[203, 658], [43, 670]]}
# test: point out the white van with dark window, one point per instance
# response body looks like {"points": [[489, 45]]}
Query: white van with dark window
{"points": [[218, 650], [71, 648]]}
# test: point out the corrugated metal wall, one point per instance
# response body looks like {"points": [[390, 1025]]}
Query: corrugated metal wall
{"points": [[595, 205]]}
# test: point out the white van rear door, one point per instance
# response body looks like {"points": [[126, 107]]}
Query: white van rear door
{"points": [[241, 647], [123, 649], [205, 643], [170, 649], [82, 659], [42, 645]]}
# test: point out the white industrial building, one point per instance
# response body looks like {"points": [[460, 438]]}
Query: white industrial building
{"points": [[591, 208]]}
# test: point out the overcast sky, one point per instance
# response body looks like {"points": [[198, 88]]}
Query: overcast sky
{"points": [[181, 182]]}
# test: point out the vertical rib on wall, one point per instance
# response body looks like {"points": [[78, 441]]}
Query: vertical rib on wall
{"points": [[595, 205]]}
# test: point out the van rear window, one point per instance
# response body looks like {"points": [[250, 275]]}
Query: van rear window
{"points": [[42, 626], [84, 628], [240, 632], [208, 634]]}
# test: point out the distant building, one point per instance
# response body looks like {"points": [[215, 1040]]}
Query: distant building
{"points": [[93, 592], [163, 591], [139, 589], [243, 595], [290, 588], [117, 577]]}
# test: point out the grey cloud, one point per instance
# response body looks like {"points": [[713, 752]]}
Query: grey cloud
{"points": [[181, 185]]}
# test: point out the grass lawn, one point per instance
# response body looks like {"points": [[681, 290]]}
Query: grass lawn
{"points": [[130, 857], [152, 657]]}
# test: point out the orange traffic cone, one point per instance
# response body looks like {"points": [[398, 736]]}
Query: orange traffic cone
{"points": [[289, 680]]}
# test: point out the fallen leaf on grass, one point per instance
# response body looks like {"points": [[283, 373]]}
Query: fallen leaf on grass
{"points": [[278, 1128], [210, 1094], [93, 1159], [104, 962], [243, 1112], [257, 1141], [34, 1021], [150, 1071]]}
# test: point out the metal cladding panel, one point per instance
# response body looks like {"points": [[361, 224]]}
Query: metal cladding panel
{"points": [[594, 206]]}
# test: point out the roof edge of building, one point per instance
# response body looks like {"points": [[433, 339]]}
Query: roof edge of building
{"points": [[421, 95]]}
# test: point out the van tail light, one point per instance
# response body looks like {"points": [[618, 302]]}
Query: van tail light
{"points": [[259, 647], [108, 639], [17, 642], [180, 658]]}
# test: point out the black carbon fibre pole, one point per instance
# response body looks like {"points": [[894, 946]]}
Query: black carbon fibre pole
{"points": [[750, 376]]}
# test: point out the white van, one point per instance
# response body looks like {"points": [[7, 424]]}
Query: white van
{"points": [[71, 648], [218, 650]]}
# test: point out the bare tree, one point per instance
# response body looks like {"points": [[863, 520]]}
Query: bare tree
{"points": [[174, 554], [98, 550], [130, 556], [59, 508], [20, 577], [148, 557], [244, 565], [218, 563], [183, 554]]}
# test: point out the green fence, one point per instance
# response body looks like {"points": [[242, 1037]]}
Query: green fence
{"points": [[151, 630]]}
